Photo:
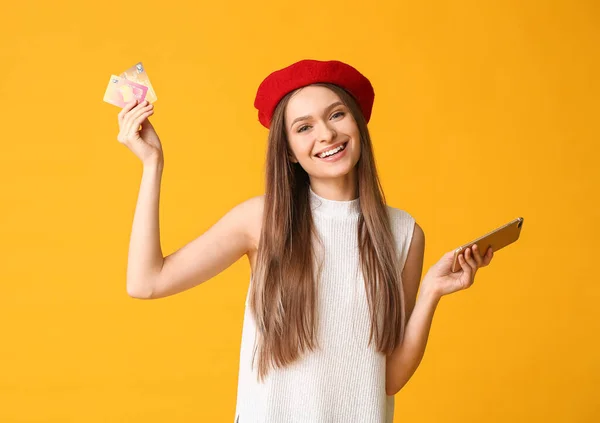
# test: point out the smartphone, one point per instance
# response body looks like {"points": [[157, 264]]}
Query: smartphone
{"points": [[497, 239]]}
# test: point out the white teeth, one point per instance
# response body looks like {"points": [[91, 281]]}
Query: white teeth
{"points": [[331, 152]]}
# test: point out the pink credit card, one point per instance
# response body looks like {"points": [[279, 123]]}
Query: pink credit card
{"points": [[138, 74], [121, 91]]}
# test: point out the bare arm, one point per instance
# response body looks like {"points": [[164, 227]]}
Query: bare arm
{"points": [[145, 258], [149, 275], [438, 281], [212, 252], [405, 359]]}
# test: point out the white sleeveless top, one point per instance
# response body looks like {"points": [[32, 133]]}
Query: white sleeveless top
{"points": [[344, 380]]}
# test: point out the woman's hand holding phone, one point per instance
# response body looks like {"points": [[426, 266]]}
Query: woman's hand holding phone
{"points": [[456, 269], [442, 281]]}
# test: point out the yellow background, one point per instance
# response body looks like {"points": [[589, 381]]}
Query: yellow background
{"points": [[484, 111]]}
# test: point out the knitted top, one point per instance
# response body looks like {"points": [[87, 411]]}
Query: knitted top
{"points": [[344, 380]]}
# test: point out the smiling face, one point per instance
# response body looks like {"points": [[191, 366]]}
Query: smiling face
{"points": [[316, 122]]}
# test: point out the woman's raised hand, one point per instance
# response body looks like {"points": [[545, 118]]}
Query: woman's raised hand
{"points": [[442, 281], [144, 142]]}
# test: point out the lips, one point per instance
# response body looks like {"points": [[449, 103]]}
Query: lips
{"points": [[333, 147]]}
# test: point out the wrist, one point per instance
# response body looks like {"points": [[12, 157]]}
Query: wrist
{"points": [[155, 162], [429, 291]]}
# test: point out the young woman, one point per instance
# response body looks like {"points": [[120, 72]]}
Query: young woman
{"points": [[332, 326]]}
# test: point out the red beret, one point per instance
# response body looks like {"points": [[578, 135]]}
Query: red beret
{"points": [[306, 72]]}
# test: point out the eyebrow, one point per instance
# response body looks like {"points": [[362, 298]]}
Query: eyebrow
{"points": [[331, 106]]}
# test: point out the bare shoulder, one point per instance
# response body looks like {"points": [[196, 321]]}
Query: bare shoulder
{"points": [[406, 228], [418, 238], [416, 251], [251, 212], [413, 268], [247, 217], [253, 209]]}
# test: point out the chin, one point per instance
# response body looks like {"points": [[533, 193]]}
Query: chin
{"points": [[337, 173]]}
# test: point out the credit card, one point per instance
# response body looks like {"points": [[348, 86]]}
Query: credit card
{"points": [[138, 74], [121, 91]]}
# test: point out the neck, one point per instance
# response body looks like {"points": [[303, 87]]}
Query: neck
{"points": [[343, 189], [328, 208]]}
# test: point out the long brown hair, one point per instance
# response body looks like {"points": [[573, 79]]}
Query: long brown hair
{"points": [[283, 291]]}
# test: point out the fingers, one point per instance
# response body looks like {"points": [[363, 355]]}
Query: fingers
{"points": [[467, 269], [140, 118], [488, 256], [477, 255], [132, 110], [126, 109], [132, 120], [469, 258], [139, 110]]}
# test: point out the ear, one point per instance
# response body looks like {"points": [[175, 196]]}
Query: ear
{"points": [[291, 156]]}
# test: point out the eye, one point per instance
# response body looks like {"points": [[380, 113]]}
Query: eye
{"points": [[338, 113], [302, 128]]}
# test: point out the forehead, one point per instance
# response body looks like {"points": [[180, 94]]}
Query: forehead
{"points": [[311, 100]]}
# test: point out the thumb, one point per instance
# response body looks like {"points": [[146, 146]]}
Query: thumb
{"points": [[444, 262], [448, 256]]}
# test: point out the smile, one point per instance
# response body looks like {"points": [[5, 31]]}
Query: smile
{"points": [[333, 151], [334, 154]]}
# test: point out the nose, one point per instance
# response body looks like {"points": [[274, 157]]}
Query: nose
{"points": [[326, 133]]}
